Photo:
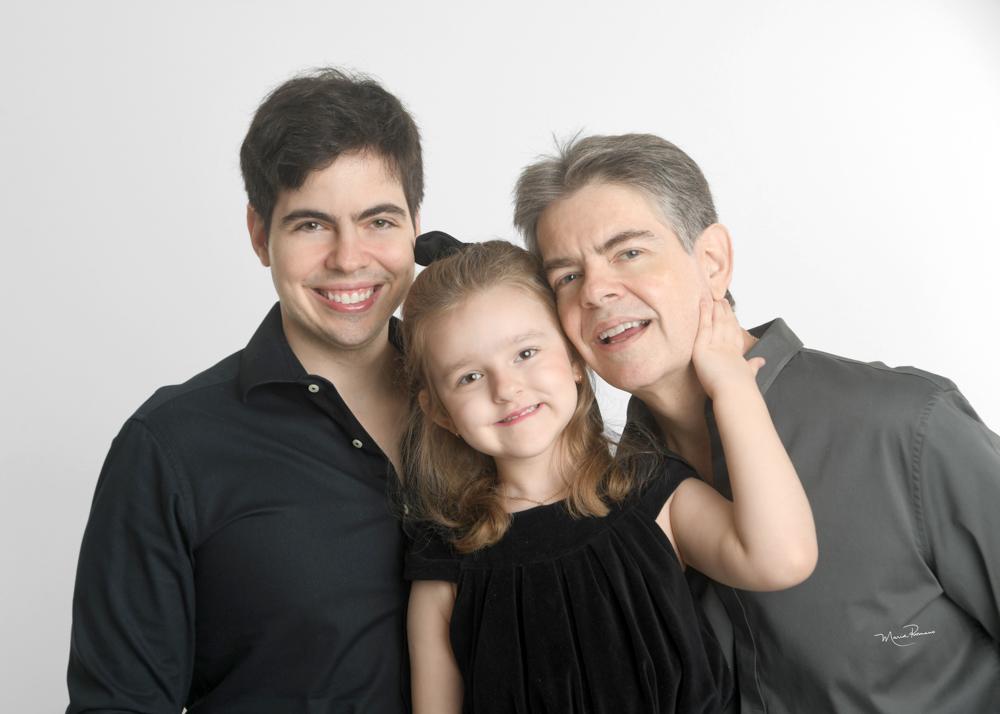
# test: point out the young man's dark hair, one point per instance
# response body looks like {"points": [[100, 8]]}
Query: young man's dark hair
{"points": [[307, 122]]}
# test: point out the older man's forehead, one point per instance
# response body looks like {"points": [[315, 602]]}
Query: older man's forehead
{"points": [[598, 247]]}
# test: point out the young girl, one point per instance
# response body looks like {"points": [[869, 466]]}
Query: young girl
{"points": [[548, 574]]}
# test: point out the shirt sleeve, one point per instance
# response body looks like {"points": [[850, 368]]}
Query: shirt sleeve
{"points": [[665, 474], [957, 463], [429, 557], [132, 643]]}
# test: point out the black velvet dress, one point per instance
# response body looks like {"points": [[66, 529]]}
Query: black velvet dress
{"points": [[589, 615]]}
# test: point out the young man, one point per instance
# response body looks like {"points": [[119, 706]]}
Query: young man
{"points": [[241, 555], [902, 611]]}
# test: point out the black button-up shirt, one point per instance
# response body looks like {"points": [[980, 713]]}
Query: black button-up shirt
{"points": [[241, 555]]}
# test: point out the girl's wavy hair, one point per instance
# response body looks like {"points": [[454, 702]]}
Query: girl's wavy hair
{"points": [[447, 483]]}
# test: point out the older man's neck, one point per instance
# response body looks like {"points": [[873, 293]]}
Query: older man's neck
{"points": [[678, 407]]}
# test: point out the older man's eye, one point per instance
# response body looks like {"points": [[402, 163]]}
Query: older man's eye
{"points": [[566, 279]]}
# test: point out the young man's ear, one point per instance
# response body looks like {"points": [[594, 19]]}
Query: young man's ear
{"points": [[438, 416], [258, 235], [714, 251]]}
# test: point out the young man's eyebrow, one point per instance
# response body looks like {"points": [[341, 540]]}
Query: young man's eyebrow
{"points": [[390, 208], [301, 213], [325, 217], [606, 247]]}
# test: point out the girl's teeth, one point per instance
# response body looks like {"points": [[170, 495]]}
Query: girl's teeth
{"points": [[521, 413]]}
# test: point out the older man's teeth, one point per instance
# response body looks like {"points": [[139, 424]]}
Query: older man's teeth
{"points": [[606, 336], [351, 297]]}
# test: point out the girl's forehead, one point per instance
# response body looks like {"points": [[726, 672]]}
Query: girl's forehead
{"points": [[489, 322], [504, 304]]}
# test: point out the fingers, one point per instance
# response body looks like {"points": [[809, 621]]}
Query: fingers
{"points": [[717, 324], [726, 330], [705, 317], [755, 364]]}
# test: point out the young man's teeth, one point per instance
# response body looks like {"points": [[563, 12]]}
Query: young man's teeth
{"points": [[618, 329], [351, 297]]}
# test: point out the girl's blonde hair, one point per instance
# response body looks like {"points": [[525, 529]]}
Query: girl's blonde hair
{"points": [[445, 481]]}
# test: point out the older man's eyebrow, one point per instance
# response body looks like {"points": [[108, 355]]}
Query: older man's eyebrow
{"points": [[606, 247], [618, 238]]}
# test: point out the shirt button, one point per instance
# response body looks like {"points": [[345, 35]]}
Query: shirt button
{"points": [[357, 443], [313, 388]]}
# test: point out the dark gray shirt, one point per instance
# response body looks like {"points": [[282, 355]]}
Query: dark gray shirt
{"points": [[901, 614]]}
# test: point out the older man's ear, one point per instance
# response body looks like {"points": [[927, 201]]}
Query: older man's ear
{"points": [[714, 252]]}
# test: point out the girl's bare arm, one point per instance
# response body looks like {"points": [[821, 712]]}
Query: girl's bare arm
{"points": [[435, 679], [765, 539]]}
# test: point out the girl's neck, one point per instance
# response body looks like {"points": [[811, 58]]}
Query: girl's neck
{"points": [[526, 483]]}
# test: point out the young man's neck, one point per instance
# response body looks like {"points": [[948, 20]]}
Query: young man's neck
{"points": [[368, 380], [369, 367]]}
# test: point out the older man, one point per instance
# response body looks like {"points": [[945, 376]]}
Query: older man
{"points": [[902, 611]]}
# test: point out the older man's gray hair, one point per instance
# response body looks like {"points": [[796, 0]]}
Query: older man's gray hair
{"points": [[642, 161]]}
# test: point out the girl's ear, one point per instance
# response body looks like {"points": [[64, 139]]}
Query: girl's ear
{"points": [[438, 416]]}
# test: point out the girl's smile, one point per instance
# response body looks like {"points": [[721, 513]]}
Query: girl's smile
{"points": [[502, 372]]}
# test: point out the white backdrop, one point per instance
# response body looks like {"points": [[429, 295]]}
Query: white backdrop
{"points": [[853, 149]]}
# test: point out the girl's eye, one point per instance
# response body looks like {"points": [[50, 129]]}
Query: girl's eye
{"points": [[526, 354], [470, 378]]}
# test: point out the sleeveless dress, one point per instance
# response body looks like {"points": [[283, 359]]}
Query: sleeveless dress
{"points": [[579, 615]]}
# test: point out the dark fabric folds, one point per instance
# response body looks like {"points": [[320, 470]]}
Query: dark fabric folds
{"points": [[588, 615]]}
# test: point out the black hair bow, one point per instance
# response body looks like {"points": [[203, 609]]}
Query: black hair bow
{"points": [[434, 245]]}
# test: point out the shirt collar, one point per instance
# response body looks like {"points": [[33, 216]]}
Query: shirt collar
{"points": [[776, 343], [269, 359]]}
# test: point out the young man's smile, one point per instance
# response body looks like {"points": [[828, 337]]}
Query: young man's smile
{"points": [[340, 249], [353, 299]]}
